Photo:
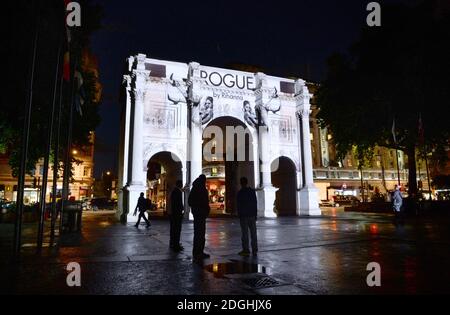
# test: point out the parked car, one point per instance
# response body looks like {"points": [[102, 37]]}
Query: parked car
{"points": [[86, 204], [6, 205], [102, 204], [326, 203], [340, 200]]}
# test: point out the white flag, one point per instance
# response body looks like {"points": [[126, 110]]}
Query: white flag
{"points": [[393, 131]]}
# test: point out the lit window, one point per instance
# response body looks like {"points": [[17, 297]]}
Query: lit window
{"points": [[329, 136], [311, 135]]}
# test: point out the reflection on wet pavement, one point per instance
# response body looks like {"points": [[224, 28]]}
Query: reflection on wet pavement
{"points": [[234, 267], [297, 255]]}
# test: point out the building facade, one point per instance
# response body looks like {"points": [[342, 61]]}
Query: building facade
{"points": [[181, 120], [333, 177], [81, 187]]}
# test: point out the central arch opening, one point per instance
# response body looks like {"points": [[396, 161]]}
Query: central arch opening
{"points": [[227, 156], [164, 169], [284, 178]]}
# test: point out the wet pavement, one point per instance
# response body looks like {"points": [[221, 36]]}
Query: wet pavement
{"points": [[306, 255]]}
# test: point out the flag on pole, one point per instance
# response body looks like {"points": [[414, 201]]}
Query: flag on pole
{"points": [[69, 37], [66, 64], [80, 95], [393, 131]]}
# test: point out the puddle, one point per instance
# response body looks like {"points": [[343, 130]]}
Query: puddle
{"points": [[235, 267]]}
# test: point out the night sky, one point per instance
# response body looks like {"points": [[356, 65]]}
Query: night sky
{"points": [[283, 38]]}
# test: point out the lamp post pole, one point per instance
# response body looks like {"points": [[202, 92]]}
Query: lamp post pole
{"points": [[398, 167], [428, 175], [25, 138], [362, 184]]}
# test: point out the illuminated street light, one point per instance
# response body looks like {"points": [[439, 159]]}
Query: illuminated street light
{"points": [[74, 152]]}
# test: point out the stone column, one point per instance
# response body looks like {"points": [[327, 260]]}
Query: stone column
{"points": [[265, 192], [299, 187], [122, 209], [137, 182], [195, 136], [309, 202], [255, 157]]}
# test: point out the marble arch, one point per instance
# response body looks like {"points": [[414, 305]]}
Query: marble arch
{"points": [[167, 105]]}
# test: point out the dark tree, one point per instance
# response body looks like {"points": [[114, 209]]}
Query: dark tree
{"points": [[399, 71], [20, 27]]}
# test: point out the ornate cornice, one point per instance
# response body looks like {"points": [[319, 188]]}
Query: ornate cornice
{"points": [[139, 95]]}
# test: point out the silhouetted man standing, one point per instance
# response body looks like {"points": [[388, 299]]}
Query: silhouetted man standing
{"points": [[199, 202], [247, 211], [176, 216], [142, 206]]}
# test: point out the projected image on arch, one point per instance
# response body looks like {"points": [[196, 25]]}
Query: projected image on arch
{"points": [[227, 156]]}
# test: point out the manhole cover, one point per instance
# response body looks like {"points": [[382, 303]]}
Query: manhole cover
{"points": [[261, 282]]}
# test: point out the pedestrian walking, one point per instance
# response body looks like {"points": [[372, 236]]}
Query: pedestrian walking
{"points": [[247, 212], [176, 216], [142, 206], [397, 201], [199, 202]]}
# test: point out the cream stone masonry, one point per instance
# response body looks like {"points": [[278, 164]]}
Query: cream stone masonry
{"points": [[167, 106]]}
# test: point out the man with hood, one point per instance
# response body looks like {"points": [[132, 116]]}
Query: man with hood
{"points": [[199, 202]]}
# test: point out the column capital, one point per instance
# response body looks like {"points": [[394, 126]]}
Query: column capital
{"points": [[139, 95], [192, 83], [260, 80], [126, 80], [193, 73], [140, 61], [194, 65], [302, 95], [303, 113], [140, 76]]}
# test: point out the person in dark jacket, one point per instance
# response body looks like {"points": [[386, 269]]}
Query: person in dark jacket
{"points": [[142, 206], [199, 202], [247, 211], [176, 216]]}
